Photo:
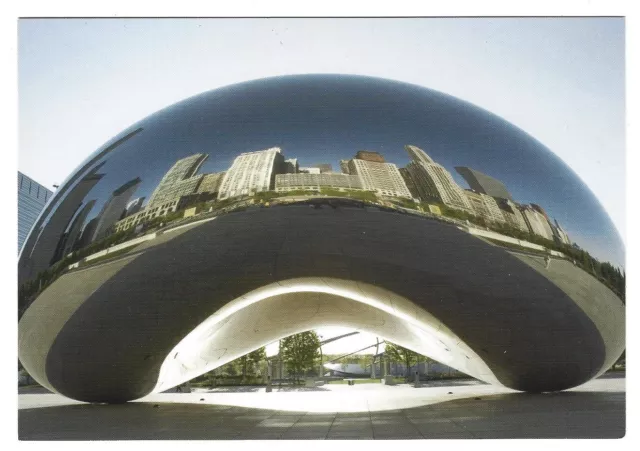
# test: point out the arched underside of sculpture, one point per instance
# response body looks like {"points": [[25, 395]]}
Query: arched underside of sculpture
{"points": [[193, 299]]}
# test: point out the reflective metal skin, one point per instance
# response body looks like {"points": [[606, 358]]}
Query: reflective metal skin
{"points": [[252, 212]]}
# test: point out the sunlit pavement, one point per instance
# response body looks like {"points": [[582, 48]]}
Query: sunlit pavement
{"points": [[365, 411]]}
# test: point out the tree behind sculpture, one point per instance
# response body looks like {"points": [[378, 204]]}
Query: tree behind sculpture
{"points": [[248, 362], [397, 353], [299, 352]]}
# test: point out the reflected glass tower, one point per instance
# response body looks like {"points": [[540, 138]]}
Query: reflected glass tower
{"points": [[114, 208], [482, 183]]}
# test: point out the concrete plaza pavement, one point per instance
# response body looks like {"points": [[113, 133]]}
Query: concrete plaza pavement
{"points": [[462, 410]]}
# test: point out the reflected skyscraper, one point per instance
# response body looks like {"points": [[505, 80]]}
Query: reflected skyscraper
{"points": [[114, 208], [536, 222], [482, 183], [76, 227], [179, 180], [376, 175], [252, 172], [133, 207], [433, 182], [484, 206], [48, 240]]}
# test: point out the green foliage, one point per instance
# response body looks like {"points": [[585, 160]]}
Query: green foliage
{"points": [[406, 203], [397, 353], [249, 362], [300, 352], [368, 196], [266, 196]]}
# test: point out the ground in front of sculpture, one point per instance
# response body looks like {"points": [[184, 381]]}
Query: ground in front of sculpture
{"points": [[456, 410]]}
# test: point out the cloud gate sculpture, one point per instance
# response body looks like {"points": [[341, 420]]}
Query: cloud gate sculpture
{"points": [[255, 211]]}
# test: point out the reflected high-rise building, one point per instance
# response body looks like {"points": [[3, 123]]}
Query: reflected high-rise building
{"points": [[383, 178], [32, 197], [560, 234], [211, 183], [179, 180], [368, 155], [73, 234], [485, 206], [536, 222], [512, 214], [344, 166], [252, 172], [433, 182], [292, 166], [48, 239], [411, 184], [114, 208], [134, 206], [483, 183], [292, 182]]}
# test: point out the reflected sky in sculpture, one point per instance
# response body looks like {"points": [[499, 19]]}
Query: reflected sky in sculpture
{"points": [[324, 119]]}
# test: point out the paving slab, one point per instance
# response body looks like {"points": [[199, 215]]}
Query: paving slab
{"points": [[594, 410]]}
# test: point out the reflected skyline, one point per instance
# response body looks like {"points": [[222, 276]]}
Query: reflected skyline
{"points": [[329, 118]]}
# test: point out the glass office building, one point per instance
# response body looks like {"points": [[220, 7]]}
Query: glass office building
{"points": [[32, 198]]}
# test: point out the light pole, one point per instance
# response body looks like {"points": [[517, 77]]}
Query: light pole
{"points": [[320, 374]]}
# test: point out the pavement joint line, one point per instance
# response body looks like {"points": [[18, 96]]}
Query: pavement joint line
{"points": [[330, 426], [407, 419], [290, 427]]}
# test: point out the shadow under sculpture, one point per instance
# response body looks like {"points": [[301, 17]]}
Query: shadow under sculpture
{"points": [[171, 252]]}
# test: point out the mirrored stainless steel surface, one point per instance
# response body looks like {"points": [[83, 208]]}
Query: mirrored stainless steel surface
{"points": [[255, 211]]}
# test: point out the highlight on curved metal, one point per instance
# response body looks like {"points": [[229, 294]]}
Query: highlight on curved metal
{"points": [[292, 306], [190, 239]]}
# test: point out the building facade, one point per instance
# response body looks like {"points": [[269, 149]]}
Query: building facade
{"points": [[559, 234], [179, 180], [536, 222], [252, 172], [32, 197], [314, 182], [291, 166], [512, 214], [485, 206], [368, 155], [154, 211], [411, 184], [434, 182], [211, 183], [383, 178], [134, 206]]}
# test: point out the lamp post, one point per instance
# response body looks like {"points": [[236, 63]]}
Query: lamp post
{"points": [[320, 374]]}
